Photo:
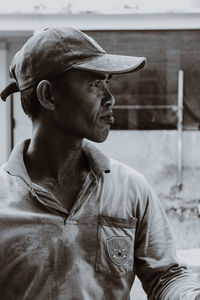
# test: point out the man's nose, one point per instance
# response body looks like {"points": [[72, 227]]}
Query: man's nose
{"points": [[108, 98]]}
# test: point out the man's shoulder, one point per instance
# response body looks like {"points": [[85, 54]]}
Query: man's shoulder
{"points": [[121, 169], [125, 187], [4, 176], [124, 175], [5, 186], [5, 179]]}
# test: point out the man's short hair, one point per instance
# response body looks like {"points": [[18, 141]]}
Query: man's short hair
{"points": [[29, 98], [30, 103]]}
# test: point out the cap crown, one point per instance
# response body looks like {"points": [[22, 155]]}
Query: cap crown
{"points": [[50, 53]]}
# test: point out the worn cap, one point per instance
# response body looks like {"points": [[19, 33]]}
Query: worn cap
{"points": [[56, 50]]}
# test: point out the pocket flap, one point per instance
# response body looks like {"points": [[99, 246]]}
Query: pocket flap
{"points": [[117, 222]]}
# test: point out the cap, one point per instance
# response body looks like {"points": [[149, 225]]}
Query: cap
{"points": [[56, 50]]}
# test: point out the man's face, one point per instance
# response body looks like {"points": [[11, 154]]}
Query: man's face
{"points": [[84, 105]]}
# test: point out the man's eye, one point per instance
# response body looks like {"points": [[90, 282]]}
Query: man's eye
{"points": [[97, 83], [100, 83]]}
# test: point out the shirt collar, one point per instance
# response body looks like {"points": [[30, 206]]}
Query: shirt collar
{"points": [[15, 164], [98, 161]]}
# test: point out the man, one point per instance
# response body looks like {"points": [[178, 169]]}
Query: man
{"points": [[75, 224]]}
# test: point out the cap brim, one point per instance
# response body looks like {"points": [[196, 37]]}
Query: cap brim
{"points": [[112, 64]]}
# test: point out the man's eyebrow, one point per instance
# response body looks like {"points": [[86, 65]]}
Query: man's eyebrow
{"points": [[101, 76]]}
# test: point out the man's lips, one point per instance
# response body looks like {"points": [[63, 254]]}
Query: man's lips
{"points": [[108, 118]]}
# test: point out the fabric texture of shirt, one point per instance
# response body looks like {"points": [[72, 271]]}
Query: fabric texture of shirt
{"points": [[115, 230]]}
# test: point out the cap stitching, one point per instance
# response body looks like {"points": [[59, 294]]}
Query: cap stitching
{"points": [[87, 38], [63, 40]]}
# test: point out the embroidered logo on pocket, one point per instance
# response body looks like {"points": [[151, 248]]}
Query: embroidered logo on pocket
{"points": [[119, 248]]}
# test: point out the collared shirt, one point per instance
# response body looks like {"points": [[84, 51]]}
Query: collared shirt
{"points": [[115, 229]]}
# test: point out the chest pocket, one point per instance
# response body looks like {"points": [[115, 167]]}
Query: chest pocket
{"points": [[115, 253]]}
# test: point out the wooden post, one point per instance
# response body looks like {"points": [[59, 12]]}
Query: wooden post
{"points": [[180, 130]]}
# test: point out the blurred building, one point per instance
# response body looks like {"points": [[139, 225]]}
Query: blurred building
{"points": [[148, 133]]}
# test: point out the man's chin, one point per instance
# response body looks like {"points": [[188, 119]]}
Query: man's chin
{"points": [[100, 138]]}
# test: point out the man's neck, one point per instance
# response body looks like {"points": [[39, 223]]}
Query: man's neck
{"points": [[54, 157]]}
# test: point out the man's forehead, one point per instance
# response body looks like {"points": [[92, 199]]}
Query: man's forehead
{"points": [[102, 76], [89, 74]]}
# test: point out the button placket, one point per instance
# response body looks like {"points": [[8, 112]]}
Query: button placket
{"points": [[87, 188]]}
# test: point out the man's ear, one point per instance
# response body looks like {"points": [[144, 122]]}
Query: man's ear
{"points": [[45, 96]]}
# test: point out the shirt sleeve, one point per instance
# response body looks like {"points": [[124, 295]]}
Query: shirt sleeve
{"points": [[156, 263]]}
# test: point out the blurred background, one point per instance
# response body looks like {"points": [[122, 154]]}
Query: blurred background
{"points": [[157, 111]]}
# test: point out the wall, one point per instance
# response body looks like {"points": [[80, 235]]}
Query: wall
{"points": [[154, 153], [98, 21], [167, 51]]}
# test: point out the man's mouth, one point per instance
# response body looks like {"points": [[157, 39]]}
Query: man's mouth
{"points": [[107, 118]]}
